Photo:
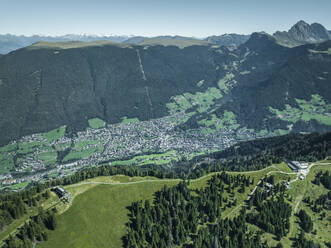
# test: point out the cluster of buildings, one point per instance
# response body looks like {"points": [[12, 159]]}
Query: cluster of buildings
{"points": [[123, 140], [131, 139], [7, 180]]}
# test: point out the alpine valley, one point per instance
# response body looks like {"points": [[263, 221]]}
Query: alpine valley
{"points": [[74, 104], [115, 116]]}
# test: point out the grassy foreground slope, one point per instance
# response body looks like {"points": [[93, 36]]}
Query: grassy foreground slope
{"points": [[97, 217], [98, 213]]}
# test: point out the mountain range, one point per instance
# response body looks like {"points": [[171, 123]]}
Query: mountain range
{"points": [[301, 33], [9, 42]]}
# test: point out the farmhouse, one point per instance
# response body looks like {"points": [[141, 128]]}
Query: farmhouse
{"points": [[62, 193], [59, 191]]}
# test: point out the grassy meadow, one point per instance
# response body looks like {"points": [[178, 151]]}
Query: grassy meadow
{"points": [[97, 217]]}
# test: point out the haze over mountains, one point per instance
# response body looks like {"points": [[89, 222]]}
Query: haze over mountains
{"points": [[301, 33]]}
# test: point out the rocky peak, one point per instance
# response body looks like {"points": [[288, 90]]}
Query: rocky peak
{"points": [[321, 31], [303, 33]]}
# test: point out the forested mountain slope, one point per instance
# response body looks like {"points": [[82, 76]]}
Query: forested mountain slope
{"points": [[51, 84]]}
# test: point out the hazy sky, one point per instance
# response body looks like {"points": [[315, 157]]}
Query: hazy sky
{"points": [[156, 17]]}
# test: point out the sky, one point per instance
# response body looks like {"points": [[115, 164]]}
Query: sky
{"points": [[155, 17]]}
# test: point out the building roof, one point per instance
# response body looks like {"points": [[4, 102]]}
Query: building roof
{"points": [[296, 165]]}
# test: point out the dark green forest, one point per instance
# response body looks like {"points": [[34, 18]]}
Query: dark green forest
{"points": [[180, 217], [259, 153]]}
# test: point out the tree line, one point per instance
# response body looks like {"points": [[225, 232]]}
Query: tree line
{"points": [[260, 153], [33, 230]]}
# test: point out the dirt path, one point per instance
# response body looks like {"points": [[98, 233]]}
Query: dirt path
{"points": [[168, 180], [128, 183], [298, 200], [233, 210]]}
